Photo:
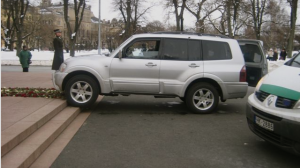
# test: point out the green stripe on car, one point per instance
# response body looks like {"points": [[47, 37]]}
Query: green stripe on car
{"points": [[280, 91]]}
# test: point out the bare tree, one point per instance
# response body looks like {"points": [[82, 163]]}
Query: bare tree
{"points": [[178, 6], [275, 30], [294, 6], [78, 6], [258, 12], [17, 12], [8, 31], [201, 9], [132, 12], [155, 26]]}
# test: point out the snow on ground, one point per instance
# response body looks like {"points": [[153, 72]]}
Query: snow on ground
{"points": [[45, 58]]}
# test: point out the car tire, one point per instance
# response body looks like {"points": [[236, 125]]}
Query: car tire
{"points": [[81, 91], [202, 98]]}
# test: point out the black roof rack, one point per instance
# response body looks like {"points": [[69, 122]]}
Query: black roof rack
{"points": [[190, 33]]}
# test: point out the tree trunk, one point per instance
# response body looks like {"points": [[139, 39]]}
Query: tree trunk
{"points": [[290, 46], [228, 16], [72, 46], [128, 20], [175, 3]]}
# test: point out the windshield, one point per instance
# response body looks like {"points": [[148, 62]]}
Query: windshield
{"points": [[118, 49], [296, 61]]}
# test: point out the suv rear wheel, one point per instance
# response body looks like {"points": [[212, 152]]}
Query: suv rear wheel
{"points": [[81, 91], [202, 98]]}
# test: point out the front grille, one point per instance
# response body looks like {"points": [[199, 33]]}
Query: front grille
{"points": [[261, 96], [280, 103], [267, 115], [273, 137]]}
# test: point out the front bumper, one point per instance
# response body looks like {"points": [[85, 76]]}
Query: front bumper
{"points": [[57, 79], [286, 132]]}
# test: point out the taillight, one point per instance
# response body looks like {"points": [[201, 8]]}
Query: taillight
{"points": [[243, 74]]}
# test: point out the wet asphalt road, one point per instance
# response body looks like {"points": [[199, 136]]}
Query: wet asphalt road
{"points": [[142, 132]]}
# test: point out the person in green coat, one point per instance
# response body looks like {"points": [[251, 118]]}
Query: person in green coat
{"points": [[25, 57]]}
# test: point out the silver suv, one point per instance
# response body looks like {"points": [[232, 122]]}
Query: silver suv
{"points": [[199, 69]]}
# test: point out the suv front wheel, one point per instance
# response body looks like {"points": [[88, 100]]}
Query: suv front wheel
{"points": [[202, 98], [81, 91]]}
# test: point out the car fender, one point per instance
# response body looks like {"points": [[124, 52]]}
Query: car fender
{"points": [[104, 84], [203, 77]]}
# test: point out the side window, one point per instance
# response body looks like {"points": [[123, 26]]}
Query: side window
{"points": [[214, 50], [251, 53], [175, 49], [194, 50], [144, 49]]}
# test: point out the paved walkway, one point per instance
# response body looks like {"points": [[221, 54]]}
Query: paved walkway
{"points": [[13, 109], [22, 79]]}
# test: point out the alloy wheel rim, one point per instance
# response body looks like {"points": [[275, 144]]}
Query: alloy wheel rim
{"points": [[81, 92], [203, 99]]}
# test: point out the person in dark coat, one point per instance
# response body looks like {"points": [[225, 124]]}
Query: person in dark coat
{"points": [[282, 54], [25, 58], [275, 55], [58, 50]]}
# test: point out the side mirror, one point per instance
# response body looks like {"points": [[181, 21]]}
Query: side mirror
{"points": [[120, 54]]}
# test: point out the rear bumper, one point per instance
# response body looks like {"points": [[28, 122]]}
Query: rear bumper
{"points": [[235, 90], [286, 132]]}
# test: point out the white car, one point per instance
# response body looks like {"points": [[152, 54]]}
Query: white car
{"points": [[273, 110], [200, 69]]}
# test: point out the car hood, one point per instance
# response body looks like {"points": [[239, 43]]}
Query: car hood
{"points": [[284, 82], [84, 59]]}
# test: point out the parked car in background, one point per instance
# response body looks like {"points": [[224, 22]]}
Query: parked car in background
{"points": [[273, 110], [200, 69]]}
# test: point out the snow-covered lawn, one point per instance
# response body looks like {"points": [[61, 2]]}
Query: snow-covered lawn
{"points": [[46, 57], [40, 57]]}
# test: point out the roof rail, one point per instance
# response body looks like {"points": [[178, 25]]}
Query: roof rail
{"points": [[190, 33]]}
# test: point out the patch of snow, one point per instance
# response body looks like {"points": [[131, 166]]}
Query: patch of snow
{"points": [[43, 58]]}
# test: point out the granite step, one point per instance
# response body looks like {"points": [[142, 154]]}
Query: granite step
{"points": [[25, 153], [20, 130]]}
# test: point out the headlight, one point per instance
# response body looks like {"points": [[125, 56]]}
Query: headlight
{"points": [[297, 105], [62, 67], [257, 93], [259, 84]]}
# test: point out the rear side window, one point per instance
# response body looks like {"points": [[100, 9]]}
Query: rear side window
{"points": [[181, 49], [251, 52], [214, 50], [175, 49]]}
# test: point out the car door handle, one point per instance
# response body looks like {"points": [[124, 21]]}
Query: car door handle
{"points": [[193, 65], [151, 64]]}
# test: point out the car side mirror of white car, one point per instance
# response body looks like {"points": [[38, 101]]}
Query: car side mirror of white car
{"points": [[120, 54]]}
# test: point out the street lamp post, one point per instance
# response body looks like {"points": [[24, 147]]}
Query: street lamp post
{"points": [[99, 29]]}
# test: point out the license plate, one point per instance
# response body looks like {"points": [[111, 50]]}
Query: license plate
{"points": [[264, 124]]}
